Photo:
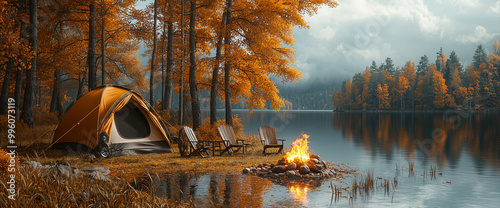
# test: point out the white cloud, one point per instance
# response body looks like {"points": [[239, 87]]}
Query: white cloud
{"points": [[480, 35], [496, 8], [375, 11], [462, 4], [326, 33], [417, 11]]}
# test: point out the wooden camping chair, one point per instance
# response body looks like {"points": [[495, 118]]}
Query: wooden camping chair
{"points": [[230, 141], [198, 147], [268, 139]]}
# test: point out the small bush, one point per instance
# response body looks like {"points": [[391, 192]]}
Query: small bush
{"points": [[209, 132], [4, 164]]}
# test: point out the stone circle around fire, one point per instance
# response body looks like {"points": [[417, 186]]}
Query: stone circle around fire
{"points": [[313, 169]]}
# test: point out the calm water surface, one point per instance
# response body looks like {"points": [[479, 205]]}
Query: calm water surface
{"points": [[465, 148]]}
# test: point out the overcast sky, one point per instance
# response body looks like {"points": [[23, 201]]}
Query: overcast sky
{"points": [[344, 40]]}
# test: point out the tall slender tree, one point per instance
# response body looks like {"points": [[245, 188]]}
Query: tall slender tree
{"points": [[215, 73], [170, 60], [91, 57], [153, 58], [103, 42], [181, 90], [227, 64], [29, 92], [193, 88]]}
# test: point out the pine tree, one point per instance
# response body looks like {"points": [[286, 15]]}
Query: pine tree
{"points": [[479, 57], [422, 66]]}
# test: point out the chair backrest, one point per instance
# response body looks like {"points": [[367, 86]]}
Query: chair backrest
{"points": [[191, 136], [227, 134], [267, 135]]}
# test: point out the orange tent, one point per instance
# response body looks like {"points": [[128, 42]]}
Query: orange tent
{"points": [[111, 120]]}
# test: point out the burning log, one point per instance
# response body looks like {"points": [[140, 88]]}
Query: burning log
{"points": [[297, 164]]}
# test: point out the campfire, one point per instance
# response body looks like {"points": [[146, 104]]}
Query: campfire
{"points": [[298, 153], [296, 164]]}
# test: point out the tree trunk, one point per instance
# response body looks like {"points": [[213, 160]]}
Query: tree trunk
{"points": [[170, 61], [18, 89], [181, 91], [163, 61], [227, 65], [29, 92], [193, 88], [103, 47], [215, 75], [81, 83], [56, 92], [91, 57], [153, 59], [5, 87], [19, 74]]}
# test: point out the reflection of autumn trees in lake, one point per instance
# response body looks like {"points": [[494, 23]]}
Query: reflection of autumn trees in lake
{"points": [[222, 189], [440, 137]]}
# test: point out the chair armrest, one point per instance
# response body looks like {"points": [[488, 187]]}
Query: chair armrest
{"points": [[205, 143], [282, 141]]}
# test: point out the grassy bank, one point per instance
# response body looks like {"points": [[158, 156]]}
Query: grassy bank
{"points": [[36, 187]]}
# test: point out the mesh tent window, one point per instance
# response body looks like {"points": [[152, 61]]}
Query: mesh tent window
{"points": [[131, 122]]}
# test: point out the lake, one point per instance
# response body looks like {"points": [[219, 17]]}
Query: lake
{"points": [[463, 147]]}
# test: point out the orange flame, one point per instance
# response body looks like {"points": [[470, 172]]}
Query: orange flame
{"points": [[298, 153]]}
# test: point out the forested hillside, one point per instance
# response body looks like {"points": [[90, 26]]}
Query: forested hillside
{"points": [[443, 84]]}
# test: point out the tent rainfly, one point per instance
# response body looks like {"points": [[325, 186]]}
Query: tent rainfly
{"points": [[111, 121]]}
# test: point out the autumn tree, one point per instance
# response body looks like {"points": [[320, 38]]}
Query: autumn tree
{"points": [[91, 57], [402, 87], [193, 88], [440, 60], [383, 96], [365, 96], [153, 57], [167, 99], [29, 92]]}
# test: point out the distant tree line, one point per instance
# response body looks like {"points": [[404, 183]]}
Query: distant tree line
{"points": [[444, 84]]}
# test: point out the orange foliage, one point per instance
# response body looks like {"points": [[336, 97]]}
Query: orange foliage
{"points": [[5, 161], [208, 132], [383, 95]]}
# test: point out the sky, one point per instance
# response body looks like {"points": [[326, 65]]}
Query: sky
{"points": [[342, 41]]}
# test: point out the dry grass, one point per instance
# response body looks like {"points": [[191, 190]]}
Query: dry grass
{"points": [[126, 167], [38, 189]]}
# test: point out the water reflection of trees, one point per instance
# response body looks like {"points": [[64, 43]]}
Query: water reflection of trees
{"points": [[440, 137], [222, 189], [208, 190]]}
